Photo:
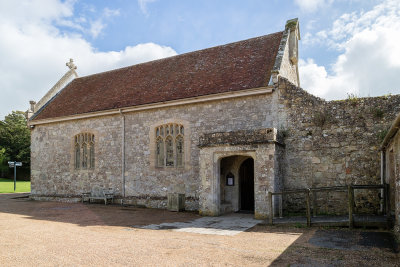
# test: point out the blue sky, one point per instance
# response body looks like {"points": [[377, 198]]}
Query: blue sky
{"points": [[347, 46]]}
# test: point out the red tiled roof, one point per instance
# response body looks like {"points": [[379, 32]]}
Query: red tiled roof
{"points": [[231, 67]]}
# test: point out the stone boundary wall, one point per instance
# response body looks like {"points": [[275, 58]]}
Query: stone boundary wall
{"points": [[332, 143]]}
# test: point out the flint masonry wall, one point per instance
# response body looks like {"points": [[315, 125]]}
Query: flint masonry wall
{"points": [[331, 143], [53, 175]]}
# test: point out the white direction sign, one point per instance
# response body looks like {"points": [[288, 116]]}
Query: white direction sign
{"points": [[17, 164]]}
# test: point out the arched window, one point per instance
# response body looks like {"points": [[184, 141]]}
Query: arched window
{"points": [[170, 145], [84, 154]]}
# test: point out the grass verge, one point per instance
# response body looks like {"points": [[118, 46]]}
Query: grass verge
{"points": [[7, 186]]}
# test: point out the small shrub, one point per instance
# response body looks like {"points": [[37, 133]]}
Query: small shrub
{"points": [[353, 98], [387, 96], [378, 113], [299, 225]]}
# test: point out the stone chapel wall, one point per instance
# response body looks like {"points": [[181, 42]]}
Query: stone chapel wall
{"points": [[332, 143], [53, 175]]}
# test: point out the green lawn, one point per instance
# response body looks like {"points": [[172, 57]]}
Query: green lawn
{"points": [[7, 186]]}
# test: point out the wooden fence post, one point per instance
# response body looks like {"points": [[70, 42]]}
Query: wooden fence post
{"points": [[271, 211], [308, 208], [314, 203], [350, 191], [387, 199]]}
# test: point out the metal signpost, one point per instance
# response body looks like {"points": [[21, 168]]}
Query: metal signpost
{"points": [[14, 164]]}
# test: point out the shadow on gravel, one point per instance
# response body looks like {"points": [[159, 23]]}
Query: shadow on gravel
{"points": [[89, 214], [342, 247], [354, 240]]}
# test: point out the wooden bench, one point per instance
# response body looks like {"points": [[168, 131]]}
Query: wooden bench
{"points": [[99, 193]]}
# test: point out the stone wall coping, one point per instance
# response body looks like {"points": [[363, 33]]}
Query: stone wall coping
{"points": [[241, 137]]}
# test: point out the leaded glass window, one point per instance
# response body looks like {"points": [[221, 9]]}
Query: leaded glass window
{"points": [[170, 145], [84, 155], [84, 152], [160, 152]]}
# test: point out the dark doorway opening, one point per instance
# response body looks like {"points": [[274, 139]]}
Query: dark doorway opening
{"points": [[246, 178]]}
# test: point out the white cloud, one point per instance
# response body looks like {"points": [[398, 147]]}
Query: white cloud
{"points": [[34, 52], [312, 5], [96, 27], [111, 12], [369, 59], [143, 5]]}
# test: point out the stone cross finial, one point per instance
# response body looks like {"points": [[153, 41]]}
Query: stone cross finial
{"points": [[71, 64]]}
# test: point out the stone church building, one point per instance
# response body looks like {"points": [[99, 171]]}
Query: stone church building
{"points": [[223, 126]]}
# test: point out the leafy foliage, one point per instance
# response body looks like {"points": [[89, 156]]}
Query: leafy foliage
{"points": [[15, 139], [3, 162], [353, 98], [378, 113]]}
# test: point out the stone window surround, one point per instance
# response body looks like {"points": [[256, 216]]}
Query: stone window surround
{"points": [[72, 151], [186, 145], [162, 136]]}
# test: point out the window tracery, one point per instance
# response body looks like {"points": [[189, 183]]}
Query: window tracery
{"points": [[170, 145], [84, 151]]}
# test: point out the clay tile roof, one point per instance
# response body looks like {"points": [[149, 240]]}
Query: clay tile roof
{"points": [[231, 67]]}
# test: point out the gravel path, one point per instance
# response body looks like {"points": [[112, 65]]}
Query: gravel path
{"points": [[36, 233]]}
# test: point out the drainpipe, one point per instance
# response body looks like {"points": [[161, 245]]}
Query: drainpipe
{"points": [[383, 174], [123, 154]]}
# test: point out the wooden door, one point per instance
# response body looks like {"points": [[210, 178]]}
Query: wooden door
{"points": [[246, 176]]}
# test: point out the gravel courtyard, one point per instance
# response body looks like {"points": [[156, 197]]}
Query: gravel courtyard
{"points": [[36, 233]]}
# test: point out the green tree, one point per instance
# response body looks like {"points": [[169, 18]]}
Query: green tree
{"points": [[15, 140], [3, 162]]}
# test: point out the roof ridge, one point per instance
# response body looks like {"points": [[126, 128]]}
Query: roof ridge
{"points": [[225, 68], [178, 55]]}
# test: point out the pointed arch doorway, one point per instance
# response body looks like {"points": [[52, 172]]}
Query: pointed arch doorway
{"points": [[222, 155], [236, 184], [246, 185]]}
